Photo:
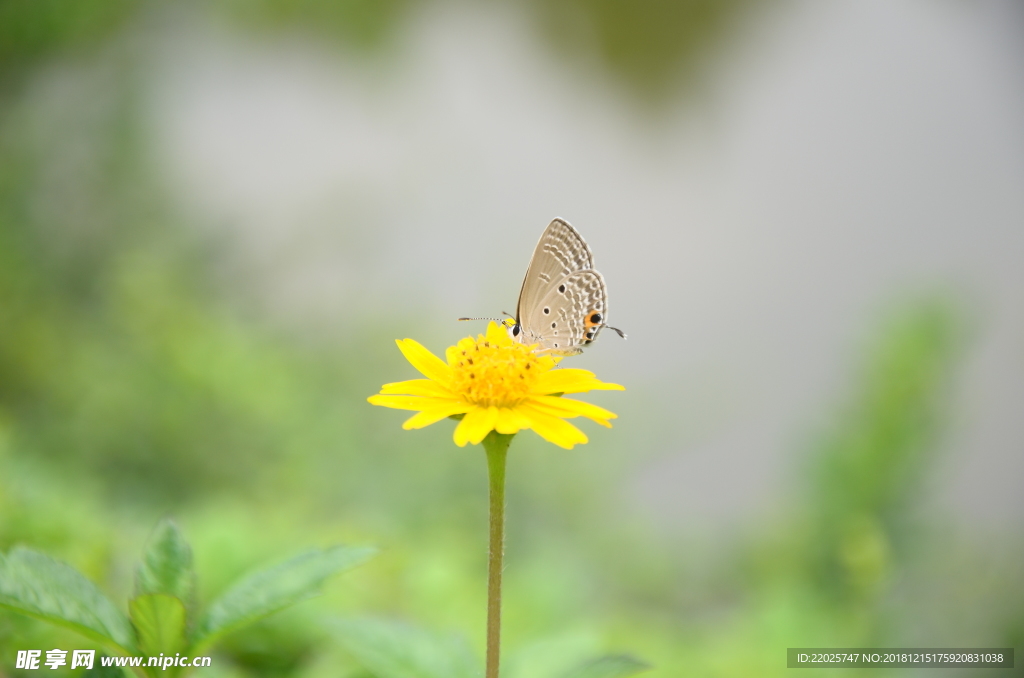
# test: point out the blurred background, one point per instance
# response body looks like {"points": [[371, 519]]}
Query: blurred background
{"points": [[216, 217]]}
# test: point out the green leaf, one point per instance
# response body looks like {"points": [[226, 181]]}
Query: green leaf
{"points": [[40, 587], [159, 620], [612, 666], [390, 649], [263, 593], [166, 565]]}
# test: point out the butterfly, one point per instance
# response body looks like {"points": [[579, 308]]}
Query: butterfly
{"points": [[563, 302]]}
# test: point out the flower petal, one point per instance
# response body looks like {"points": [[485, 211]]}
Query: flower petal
{"points": [[572, 380], [454, 353], [475, 426], [510, 420], [419, 387], [497, 334], [408, 402], [547, 362], [435, 414], [567, 408], [553, 429], [426, 362]]}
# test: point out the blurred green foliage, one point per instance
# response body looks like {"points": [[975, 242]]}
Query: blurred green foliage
{"points": [[648, 46], [870, 469], [131, 386], [361, 23], [163, 615], [32, 30]]}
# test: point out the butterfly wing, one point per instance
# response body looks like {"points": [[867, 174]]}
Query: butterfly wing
{"points": [[560, 252], [570, 314]]}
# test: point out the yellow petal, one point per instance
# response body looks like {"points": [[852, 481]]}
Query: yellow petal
{"points": [[475, 426], [510, 420], [407, 402], [568, 408], [546, 363], [567, 376], [572, 380], [454, 353], [553, 429], [419, 387], [435, 414], [498, 335], [426, 362]]}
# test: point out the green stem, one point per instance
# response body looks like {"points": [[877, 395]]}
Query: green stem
{"points": [[496, 445]]}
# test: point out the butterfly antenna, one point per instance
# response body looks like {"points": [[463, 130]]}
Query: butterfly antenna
{"points": [[617, 331], [494, 319]]}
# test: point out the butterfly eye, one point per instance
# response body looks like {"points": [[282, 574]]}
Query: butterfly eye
{"points": [[515, 331]]}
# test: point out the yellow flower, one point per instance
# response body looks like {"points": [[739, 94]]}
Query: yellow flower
{"points": [[499, 385]]}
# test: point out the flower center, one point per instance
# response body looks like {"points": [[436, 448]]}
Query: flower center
{"points": [[488, 375]]}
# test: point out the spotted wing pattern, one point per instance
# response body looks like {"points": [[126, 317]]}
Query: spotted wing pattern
{"points": [[569, 316], [560, 252]]}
